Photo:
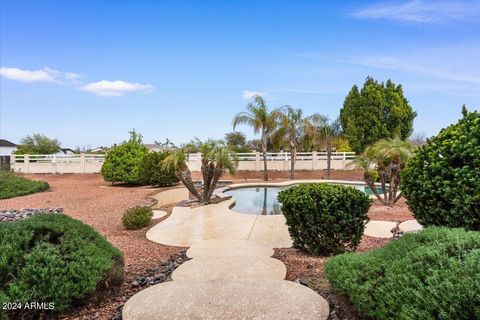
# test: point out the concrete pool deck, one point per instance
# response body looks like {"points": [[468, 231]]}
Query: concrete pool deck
{"points": [[186, 225]]}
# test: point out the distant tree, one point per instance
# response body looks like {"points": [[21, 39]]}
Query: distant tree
{"points": [[263, 121], [38, 144], [122, 161], [237, 141], [377, 111], [291, 127], [418, 139]]}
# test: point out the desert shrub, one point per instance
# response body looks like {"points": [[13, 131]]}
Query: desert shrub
{"points": [[432, 274], [324, 218], [14, 185], [122, 161], [137, 217], [151, 171], [442, 182], [54, 258]]}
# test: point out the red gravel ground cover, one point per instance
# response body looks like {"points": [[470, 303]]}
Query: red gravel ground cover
{"points": [[97, 203], [89, 199]]}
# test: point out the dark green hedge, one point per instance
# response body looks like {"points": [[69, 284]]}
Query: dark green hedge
{"points": [[137, 217], [151, 171], [433, 274], [54, 258], [442, 182], [14, 185], [324, 218]]}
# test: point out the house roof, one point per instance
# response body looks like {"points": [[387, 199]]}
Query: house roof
{"points": [[6, 143]]}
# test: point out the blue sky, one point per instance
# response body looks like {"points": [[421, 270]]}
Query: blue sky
{"points": [[87, 72]]}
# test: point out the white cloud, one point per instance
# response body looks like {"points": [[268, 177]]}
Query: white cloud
{"points": [[114, 88], [25, 75], [43, 75], [422, 11], [249, 94]]}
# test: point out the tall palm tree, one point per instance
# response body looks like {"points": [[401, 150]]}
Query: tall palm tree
{"points": [[262, 120], [216, 160], [290, 129], [323, 132], [388, 159]]}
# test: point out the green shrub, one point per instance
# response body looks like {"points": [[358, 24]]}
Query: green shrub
{"points": [[152, 172], [54, 258], [324, 218], [14, 185], [137, 217], [432, 274], [442, 182], [122, 161]]}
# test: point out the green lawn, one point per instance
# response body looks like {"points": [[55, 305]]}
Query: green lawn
{"points": [[14, 185]]}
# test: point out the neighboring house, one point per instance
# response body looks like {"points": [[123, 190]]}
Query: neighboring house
{"points": [[6, 150], [65, 152], [7, 147], [98, 150], [153, 147]]}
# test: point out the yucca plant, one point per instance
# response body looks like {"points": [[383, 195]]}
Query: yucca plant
{"points": [[384, 160]]}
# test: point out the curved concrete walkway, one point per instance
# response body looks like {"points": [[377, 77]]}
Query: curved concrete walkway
{"points": [[231, 274], [227, 279]]}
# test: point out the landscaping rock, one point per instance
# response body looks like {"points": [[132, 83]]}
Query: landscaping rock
{"points": [[13, 215]]}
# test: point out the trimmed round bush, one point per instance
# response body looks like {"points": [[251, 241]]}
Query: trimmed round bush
{"points": [[54, 258], [152, 172], [137, 217], [324, 218], [122, 161], [442, 181], [429, 275]]}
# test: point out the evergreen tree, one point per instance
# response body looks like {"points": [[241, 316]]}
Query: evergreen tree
{"points": [[377, 111]]}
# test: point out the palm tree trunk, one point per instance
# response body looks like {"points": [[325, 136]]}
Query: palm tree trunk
{"points": [[186, 177], [372, 186], [293, 158], [217, 173], [264, 152], [329, 158]]}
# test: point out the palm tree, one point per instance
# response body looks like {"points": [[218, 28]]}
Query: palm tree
{"points": [[388, 159], [216, 160], [290, 129], [262, 121], [323, 132]]}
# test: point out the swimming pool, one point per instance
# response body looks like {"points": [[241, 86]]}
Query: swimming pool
{"points": [[262, 200]]}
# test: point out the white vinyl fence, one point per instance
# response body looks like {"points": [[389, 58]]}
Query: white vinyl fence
{"points": [[92, 163]]}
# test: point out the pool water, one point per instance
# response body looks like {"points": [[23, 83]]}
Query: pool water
{"points": [[262, 200]]}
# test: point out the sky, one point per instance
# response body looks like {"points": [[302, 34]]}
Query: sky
{"points": [[87, 72]]}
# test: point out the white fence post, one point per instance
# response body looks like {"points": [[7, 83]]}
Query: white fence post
{"points": [[314, 160], [26, 160], [82, 162], [257, 161]]}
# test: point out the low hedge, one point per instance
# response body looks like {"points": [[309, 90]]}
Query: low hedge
{"points": [[432, 274], [14, 185], [52, 258], [137, 217], [324, 218], [152, 172]]}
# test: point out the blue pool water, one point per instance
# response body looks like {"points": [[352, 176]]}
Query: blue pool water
{"points": [[262, 200]]}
